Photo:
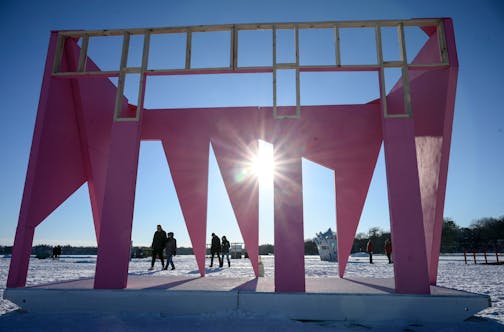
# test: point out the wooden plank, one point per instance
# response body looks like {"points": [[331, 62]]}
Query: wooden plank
{"points": [[392, 64], [402, 115], [209, 71], [122, 78], [255, 26], [125, 119], [133, 70], [314, 68], [60, 43], [404, 71], [83, 54], [245, 70], [188, 50], [233, 62], [290, 65], [298, 84], [379, 47], [381, 74], [88, 74], [141, 85], [443, 49], [145, 54], [337, 46], [233, 54], [273, 30], [239, 70]]}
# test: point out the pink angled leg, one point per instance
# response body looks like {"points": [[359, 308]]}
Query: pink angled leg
{"points": [[186, 143], [117, 214], [408, 239], [234, 140], [21, 251]]}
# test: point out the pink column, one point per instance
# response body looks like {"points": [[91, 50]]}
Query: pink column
{"points": [[288, 210], [55, 166], [406, 219], [445, 149], [21, 252], [118, 204], [25, 230]]}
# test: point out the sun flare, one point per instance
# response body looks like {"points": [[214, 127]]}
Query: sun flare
{"points": [[263, 165]]}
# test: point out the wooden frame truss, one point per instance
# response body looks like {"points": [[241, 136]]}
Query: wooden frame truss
{"points": [[234, 67]]}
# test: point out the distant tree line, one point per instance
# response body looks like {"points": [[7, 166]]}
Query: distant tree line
{"points": [[483, 234], [42, 250], [377, 235], [310, 248]]}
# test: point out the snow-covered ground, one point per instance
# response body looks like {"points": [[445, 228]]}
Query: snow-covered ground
{"points": [[453, 273]]}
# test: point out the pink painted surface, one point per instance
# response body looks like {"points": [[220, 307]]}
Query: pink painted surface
{"points": [[186, 137], [451, 87], [75, 140], [346, 139], [188, 161], [234, 141], [21, 251], [117, 213], [55, 167], [433, 99], [94, 101], [186, 142], [288, 213], [406, 218]]}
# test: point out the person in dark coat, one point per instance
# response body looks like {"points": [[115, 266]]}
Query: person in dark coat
{"points": [[56, 252], [225, 251], [370, 249], [158, 244], [171, 250], [388, 250], [215, 249]]}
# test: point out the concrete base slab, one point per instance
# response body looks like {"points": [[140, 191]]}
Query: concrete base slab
{"points": [[354, 299]]}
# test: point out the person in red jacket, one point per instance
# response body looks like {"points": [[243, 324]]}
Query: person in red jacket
{"points": [[370, 249]]}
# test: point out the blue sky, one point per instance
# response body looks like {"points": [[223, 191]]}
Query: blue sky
{"points": [[475, 178]]}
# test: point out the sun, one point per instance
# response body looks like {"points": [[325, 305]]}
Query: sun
{"points": [[263, 165]]}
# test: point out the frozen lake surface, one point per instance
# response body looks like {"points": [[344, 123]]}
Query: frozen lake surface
{"points": [[452, 273]]}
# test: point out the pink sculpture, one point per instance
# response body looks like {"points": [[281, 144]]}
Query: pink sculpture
{"points": [[78, 139]]}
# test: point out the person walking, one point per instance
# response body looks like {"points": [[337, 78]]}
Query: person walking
{"points": [[56, 252], [388, 250], [370, 249], [215, 249], [225, 251], [158, 244], [171, 250]]}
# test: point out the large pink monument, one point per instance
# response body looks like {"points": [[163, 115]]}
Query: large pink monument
{"points": [[86, 131]]}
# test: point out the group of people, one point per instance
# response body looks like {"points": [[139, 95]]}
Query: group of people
{"points": [[163, 241], [56, 252], [388, 250], [218, 248]]}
